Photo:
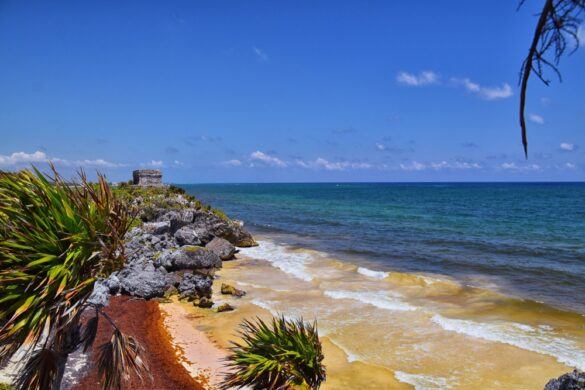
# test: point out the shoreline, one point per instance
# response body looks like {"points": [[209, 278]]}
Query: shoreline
{"points": [[445, 340]]}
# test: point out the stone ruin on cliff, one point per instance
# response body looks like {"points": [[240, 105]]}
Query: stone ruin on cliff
{"points": [[147, 177]]}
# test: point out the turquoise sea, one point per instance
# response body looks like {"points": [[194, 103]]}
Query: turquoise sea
{"points": [[523, 239]]}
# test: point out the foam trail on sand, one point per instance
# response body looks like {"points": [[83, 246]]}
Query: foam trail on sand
{"points": [[380, 299], [292, 263], [351, 357], [372, 274], [422, 382], [539, 340]]}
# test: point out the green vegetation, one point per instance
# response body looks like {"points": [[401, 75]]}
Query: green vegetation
{"points": [[283, 355], [56, 239], [159, 197], [6, 386]]}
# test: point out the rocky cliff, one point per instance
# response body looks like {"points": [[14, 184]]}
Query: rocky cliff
{"points": [[175, 247]]}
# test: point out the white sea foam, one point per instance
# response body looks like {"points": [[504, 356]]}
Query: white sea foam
{"points": [[372, 274], [380, 299], [350, 356], [539, 340], [292, 263], [422, 382], [266, 305]]}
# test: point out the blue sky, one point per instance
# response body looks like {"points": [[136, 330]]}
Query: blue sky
{"points": [[254, 91]]}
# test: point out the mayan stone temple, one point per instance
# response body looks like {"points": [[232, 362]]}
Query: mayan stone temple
{"points": [[147, 177]]}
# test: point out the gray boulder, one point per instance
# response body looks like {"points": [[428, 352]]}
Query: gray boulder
{"points": [[113, 284], [100, 294], [144, 281], [190, 257], [232, 231], [194, 285], [179, 218], [221, 247], [189, 236], [570, 381], [156, 227]]}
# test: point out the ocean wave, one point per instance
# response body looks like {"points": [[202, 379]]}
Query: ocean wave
{"points": [[350, 356], [372, 274], [380, 299], [266, 305], [539, 340], [422, 382], [292, 263]]}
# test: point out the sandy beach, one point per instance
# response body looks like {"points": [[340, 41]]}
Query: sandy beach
{"points": [[375, 345]]}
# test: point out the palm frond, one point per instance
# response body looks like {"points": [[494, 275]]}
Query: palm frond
{"points": [[283, 354], [118, 358], [56, 239], [41, 371]]}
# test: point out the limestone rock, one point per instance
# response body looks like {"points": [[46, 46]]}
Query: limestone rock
{"points": [[224, 307], [156, 227], [179, 218], [570, 381], [144, 281], [190, 257], [100, 294], [223, 248], [231, 290], [189, 236], [195, 286], [203, 302]]}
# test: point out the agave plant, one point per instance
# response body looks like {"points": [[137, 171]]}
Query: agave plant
{"points": [[285, 354], [56, 240]]}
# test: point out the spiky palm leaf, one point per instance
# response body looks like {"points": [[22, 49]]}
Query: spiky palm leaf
{"points": [[284, 354], [56, 239], [120, 355]]}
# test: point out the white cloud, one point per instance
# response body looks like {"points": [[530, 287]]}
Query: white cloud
{"points": [[413, 166], [567, 147], [22, 158], [94, 163], [381, 147], [487, 93], [341, 165], [570, 165], [233, 163], [322, 163], [514, 167], [424, 78], [508, 166], [302, 163], [536, 118], [268, 160], [437, 166], [261, 54], [178, 163], [153, 164]]}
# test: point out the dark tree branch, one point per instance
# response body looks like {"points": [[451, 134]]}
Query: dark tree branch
{"points": [[558, 20]]}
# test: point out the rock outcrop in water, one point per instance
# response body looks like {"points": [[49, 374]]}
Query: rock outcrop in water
{"points": [[176, 250], [570, 381]]}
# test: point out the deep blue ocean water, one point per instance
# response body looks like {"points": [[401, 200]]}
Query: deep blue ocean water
{"points": [[525, 239]]}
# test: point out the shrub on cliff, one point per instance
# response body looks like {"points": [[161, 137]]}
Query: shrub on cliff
{"points": [[56, 239], [281, 355]]}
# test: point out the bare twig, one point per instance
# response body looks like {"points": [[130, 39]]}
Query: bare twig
{"points": [[558, 20]]}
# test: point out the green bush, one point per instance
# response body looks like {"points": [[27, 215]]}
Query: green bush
{"points": [[283, 355], [56, 239]]}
